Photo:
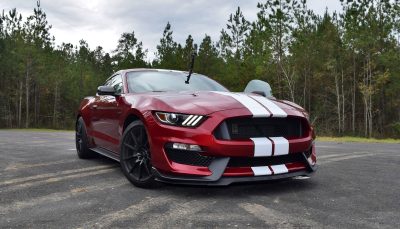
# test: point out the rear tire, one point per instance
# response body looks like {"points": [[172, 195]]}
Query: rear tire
{"points": [[81, 140], [135, 157]]}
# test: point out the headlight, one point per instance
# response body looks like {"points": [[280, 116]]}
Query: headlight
{"points": [[179, 119]]}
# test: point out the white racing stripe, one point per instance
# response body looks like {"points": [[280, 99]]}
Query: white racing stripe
{"points": [[264, 170], [261, 170], [262, 147], [254, 107], [279, 169], [275, 109], [281, 145]]}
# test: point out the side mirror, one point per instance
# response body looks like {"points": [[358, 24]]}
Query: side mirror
{"points": [[259, 87], [259, 93], [105, 90]]}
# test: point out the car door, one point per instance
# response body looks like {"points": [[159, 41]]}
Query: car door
{"points": [[108, 110]]}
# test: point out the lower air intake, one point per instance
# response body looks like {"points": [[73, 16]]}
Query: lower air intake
{"points": [[188, 157]]}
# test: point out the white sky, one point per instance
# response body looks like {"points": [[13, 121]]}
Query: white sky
{"points": [[101, 22]]}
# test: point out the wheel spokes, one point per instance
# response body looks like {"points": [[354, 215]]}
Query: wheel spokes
{"points": [[130, 146], [133, 138], [135, 154], [133, 167], [140, 137], [132, 156], [146, 166], [140, 170]]}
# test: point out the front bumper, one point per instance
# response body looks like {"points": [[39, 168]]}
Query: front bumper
{"points": [[217, 168], [223, 169]]}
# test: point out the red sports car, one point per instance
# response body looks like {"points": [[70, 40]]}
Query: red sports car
{"points": [[161, 127]]}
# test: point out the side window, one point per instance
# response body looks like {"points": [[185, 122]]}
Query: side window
{"points": [[109, 81], [116, 82]]}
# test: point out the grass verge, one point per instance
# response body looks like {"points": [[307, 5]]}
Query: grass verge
{"points": [[357, 139], [319, 138]]}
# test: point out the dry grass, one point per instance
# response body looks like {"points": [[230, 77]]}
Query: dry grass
{"points": [[358, 139]]}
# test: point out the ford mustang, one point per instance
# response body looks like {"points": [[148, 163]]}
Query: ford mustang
{"points": [[162, 127]]}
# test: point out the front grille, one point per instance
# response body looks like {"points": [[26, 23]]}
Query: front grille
{"points": [[264, 161], [245, 128], [188, 157]]}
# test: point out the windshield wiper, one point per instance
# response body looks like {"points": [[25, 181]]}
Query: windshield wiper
{"points": [[191, 68]]}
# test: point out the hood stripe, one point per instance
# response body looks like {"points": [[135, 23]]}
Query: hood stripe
{"points": [[254, 107], [275, 109]]}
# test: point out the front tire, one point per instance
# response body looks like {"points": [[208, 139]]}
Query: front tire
{"points": [[81, 141], [135, 156]]}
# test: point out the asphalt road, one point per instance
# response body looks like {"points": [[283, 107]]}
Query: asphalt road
{"points": [[44, 185]]}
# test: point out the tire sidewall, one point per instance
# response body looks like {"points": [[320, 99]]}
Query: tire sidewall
{"points": [[150, 182], [85, 152]]}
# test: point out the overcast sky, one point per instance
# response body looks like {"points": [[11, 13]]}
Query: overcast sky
{"points": [[101, 22]]}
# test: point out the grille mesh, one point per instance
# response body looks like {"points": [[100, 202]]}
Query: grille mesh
{"points": [[245, 128]]}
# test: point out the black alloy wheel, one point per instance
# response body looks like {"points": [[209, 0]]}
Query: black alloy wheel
{"points": [[135, 156]]}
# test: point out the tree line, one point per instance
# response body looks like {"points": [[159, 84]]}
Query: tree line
{"points": [[343, 67]]}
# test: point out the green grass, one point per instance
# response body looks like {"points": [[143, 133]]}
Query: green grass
{"points": [[36, 130], [357, 139]]}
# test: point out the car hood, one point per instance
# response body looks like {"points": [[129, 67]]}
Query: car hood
{"points": [[203, 102]]}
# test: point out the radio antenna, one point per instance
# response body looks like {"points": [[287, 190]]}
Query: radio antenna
{"points": [[191, 67]]}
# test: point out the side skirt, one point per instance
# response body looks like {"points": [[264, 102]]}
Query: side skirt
{"points": [[106, 153]]}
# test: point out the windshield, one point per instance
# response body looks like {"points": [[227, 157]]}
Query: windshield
{"points": [[147, 81]]}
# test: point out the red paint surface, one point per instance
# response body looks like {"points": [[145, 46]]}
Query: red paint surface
{"points": [[104, 117]]}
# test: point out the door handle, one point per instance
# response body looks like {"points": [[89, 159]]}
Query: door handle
{"points": [[94, 107]]}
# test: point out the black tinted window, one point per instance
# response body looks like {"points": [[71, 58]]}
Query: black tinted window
{"points": [[116, 83], [146, 81]]}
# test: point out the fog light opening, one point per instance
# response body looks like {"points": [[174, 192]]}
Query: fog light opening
{"points": [[183, 146]]}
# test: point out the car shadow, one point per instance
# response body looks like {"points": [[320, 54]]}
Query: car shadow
{"points": [[235, 190], [238, 190]]}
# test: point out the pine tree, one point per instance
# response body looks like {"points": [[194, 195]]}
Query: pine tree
{"points": [[166, 51], [129, 52]]}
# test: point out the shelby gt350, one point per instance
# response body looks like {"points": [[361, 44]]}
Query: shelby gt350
{"points": [[160, 127]]}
